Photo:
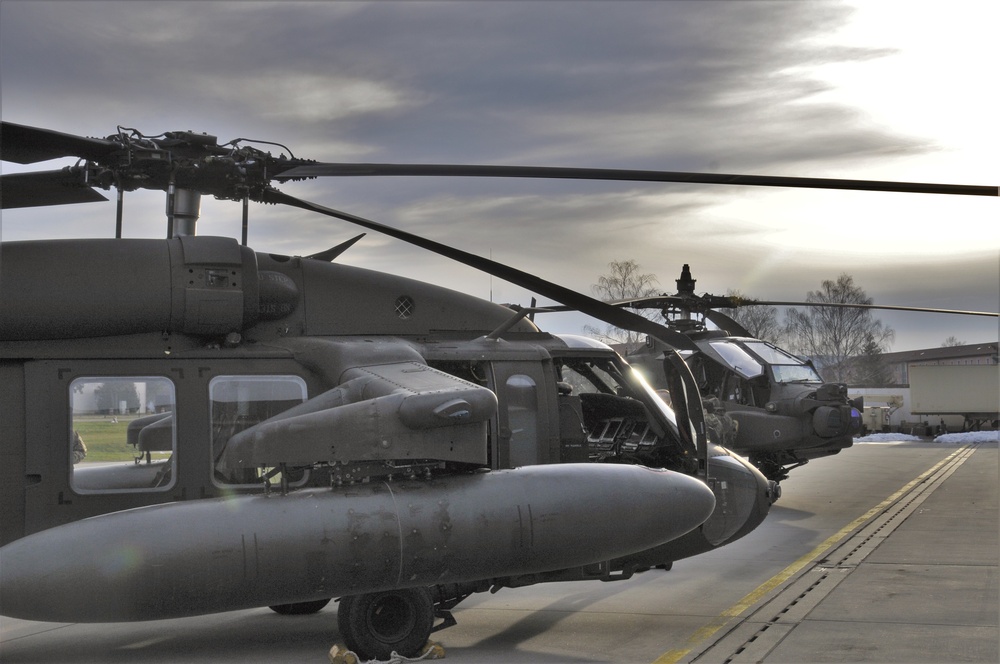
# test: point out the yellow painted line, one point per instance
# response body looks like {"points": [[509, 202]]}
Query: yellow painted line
{"points": [[673, 656]]}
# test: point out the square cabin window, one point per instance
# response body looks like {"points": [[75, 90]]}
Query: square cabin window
{"points": [[122, 434], [240, 402]]}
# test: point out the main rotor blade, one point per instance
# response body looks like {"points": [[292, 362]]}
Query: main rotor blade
{"points": [[661, 301], [889, 307], [457, 170], [28, 145], [18, 190], [648, 302], [726, 323], [588, 305]]}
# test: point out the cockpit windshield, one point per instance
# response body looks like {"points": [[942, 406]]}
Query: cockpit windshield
{"points": [[786, 367], [602, 375], [749, 357], [738, 359], [771, 354]]}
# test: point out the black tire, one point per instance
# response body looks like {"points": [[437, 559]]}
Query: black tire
{"points": [[300, 608], [375, 625]]}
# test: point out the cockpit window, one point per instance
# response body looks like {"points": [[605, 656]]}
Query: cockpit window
{"points": [[590, 376], [737, 358], [772, 354], [795, 373], [602, 376], [655, 398], [786, 367]]}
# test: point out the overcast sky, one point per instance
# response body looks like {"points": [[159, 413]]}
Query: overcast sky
{"points": [[877, 90]]}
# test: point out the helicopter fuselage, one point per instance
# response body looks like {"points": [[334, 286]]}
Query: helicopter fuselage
{"points": [[274, 413]]}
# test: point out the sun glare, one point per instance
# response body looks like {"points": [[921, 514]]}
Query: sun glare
{"points": [[928, 77], [935, 81]]}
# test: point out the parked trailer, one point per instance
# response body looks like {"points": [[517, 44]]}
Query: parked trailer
{"points": [[969, 390]]}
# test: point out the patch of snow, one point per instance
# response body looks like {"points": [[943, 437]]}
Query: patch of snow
{"points": [[888, 438], [969, 437], [947, 439]]}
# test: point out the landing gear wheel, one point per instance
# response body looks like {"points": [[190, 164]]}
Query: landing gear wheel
{"points": [[376, 624], [300, 608]]}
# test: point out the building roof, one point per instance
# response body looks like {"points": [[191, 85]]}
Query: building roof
{"points": [[943, 353]]}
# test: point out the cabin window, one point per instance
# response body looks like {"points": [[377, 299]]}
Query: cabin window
{"points": [[122, 434], [240, 402]]}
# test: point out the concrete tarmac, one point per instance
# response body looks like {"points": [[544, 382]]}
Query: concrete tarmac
{"points": [[915, 581], [883, 553]]}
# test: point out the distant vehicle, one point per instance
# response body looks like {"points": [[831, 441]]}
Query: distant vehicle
{"points": [[969, 390]]}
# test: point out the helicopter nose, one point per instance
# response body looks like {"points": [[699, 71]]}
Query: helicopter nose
{"points": [[743, 497], [830, 421]]}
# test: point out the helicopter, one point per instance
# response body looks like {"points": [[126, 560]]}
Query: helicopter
{"points": [[786, 414], [303, 430]]}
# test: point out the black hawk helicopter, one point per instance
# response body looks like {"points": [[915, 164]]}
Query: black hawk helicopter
{"points": [[785, 413], [304, 430]]}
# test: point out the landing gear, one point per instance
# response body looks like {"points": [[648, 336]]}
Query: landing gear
{"points": [[377, 624], [776, 468], [770, 468], [300, 608]]}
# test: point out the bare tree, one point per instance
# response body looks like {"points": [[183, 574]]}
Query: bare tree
{"points": [[760, 320], [952, 341], [832, 336], [624, 280]]}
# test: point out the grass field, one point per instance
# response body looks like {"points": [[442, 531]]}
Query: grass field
{"points": [[105, 438]]}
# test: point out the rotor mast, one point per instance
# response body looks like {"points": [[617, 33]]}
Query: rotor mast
{"points": [[183, 210], [679, 313]]}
